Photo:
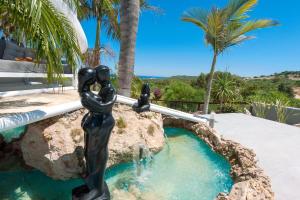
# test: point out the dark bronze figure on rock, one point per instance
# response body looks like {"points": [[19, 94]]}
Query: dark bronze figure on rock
{"points": [[97, 126], [143, 104]]}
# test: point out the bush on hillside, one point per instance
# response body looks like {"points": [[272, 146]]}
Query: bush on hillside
{"points": [[286, 88], [178, 90]]}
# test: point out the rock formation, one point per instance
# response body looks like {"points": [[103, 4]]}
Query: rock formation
{"points": [[55, 146]]}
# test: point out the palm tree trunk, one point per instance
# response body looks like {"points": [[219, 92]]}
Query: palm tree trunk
{"points": [[221, 104], [209, 84], [96, 56], [129, 16]]}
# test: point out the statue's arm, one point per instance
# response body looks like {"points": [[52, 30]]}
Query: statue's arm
{"points": [[89, 102]]}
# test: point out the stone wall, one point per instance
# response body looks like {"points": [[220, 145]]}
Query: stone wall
{"points": [[292, 114], [250, 182]]}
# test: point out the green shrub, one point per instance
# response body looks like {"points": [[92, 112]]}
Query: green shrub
{"points": [[225, 89], [121, 123], [231, 108], [178, 90], [136, 87], [261, 109], [286, 88], [281, 111], [268, 97]]}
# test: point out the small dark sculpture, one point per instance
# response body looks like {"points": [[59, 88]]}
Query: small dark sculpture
{"points": [[143, 102], [97, 126]]}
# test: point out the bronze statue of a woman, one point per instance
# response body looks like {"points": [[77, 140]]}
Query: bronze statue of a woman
{"points": [[97, 125]]}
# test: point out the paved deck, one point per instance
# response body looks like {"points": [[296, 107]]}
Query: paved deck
{"points": [[26, 103], [277, 147]]}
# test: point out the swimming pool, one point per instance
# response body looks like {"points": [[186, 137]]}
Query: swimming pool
{"points": [[186, 169]]}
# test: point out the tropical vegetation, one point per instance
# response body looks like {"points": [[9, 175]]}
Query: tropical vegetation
{"points": [[105, 13], [224, 28], [43, 28], [231, 93], [129, 19]]}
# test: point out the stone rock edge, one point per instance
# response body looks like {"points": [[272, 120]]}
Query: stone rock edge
{"points": [[250, 181]]}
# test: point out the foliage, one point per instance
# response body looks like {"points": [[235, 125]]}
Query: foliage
{"points": [[294, 102], [121, 123], [114, 80], [261, 109], [224, 89], [286, 88], [201, 81], [224, 28], [231, 108], [106, 14], [246, 90], [49, 32], [136, 87], [281, 111], [157, 93], [104, 10], [129, 18], [178, 90], [145, 6]]}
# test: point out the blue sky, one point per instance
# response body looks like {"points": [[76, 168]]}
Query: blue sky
{"points": [[167, 46]]}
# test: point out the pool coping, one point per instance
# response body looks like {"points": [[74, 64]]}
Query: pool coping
{"points": [[250, 180]]}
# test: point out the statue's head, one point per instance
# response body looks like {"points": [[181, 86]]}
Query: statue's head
{"points": [[86, 77], [146, 89], [102, 74]]}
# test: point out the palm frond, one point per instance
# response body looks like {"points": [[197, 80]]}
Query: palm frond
{"points": [[239, 8], [111, 19], [252, 25], [197, 16], [48, 30], [146, 6], [105, 10], [239, 40]]}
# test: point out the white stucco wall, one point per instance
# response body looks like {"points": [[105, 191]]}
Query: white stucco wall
{"points": [[71, 15]]}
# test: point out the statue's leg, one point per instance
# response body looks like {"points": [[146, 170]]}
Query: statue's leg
{"points": [[105, 133], [86, 137]]}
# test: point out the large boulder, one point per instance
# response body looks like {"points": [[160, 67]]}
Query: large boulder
{"points": [[55, 146]]}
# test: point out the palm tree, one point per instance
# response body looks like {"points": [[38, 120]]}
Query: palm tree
{"points": [[129, 15], [224, 28], [106, 14], [224, 88], [45, 28]]}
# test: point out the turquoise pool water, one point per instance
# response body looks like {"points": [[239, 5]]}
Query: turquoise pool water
{"points": [[13, 133], [186, 169]]}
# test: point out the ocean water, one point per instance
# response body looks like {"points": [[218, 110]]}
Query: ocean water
{"points": [[151, 77], [186, 169]]}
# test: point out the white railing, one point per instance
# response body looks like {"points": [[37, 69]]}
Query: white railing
{"points": [[11, 121]]}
